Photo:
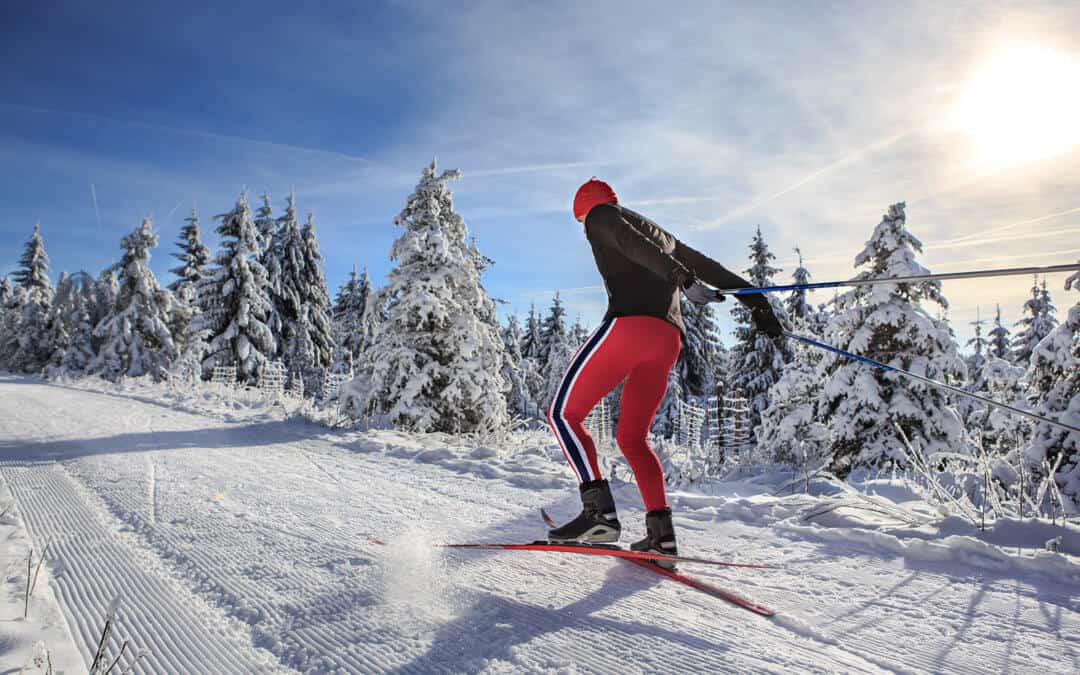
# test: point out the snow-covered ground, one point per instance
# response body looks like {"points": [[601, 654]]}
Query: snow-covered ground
{"points": [[241, 540]]}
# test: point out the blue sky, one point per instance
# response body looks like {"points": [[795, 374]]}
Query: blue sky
{"points": [[807, 119]]}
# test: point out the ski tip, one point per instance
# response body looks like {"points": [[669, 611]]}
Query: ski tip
{"points": [[375, 540]]}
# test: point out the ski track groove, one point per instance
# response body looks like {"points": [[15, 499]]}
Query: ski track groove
{"points": [[97, 569]]}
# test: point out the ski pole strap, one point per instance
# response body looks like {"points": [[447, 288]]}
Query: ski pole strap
{"points": [[1011, 271], [935, 383]]}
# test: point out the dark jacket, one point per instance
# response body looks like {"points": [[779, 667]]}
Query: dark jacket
{"points": [[644, 267]]}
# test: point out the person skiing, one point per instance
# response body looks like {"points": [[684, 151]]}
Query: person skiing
{"points": [[644, 268]]}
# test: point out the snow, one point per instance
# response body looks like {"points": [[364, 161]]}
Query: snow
{"points": [[240, 538]]}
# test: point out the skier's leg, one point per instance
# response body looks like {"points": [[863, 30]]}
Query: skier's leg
{"points": [[597, 367], [642, 394], [594, 371]]}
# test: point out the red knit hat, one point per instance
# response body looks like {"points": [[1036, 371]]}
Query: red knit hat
{"points": [[592, 193]]}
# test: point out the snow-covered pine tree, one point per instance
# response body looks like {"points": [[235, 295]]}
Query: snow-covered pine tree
{"points": [[194, 257], [757, 360], [265, 224], [791, 433], [435, 364], [236, 303], [518, 397], [1002, 382], [301, 303], [7, 292], [887, 322], [70, 317], [57, 335], [999, 338], [1037, 323], [349, 308], [532, 338], [980, 346], [315, 326], [970, 409], [136, 338], [1052, 383], [578, 332], [553, 329], [796, 305], [32, 276]]}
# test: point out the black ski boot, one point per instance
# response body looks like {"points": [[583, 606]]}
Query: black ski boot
{"points": [[660, 537], [597, 524]]}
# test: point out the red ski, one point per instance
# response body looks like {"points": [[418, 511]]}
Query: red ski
{"points": [[709, 589], [602, 549]]}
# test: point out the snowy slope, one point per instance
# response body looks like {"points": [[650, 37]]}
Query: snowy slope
{"points": [[245, 546]]}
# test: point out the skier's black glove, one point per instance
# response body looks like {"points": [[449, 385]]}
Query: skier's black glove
{"points": [[766, 321], [700, 294]]}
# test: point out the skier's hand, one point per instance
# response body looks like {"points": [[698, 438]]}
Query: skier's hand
{"points": [[766, 321], [700, 294]]}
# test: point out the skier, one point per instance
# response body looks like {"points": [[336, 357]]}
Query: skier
{"points": [[644, 268]]}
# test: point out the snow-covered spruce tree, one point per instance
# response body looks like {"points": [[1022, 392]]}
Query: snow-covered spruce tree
{"points": [[57, 334], [301, 304], [32, 276], [578, 332], [70, 318], [1052, 383], [999, 338], [236, 305], [887, 322], [315, 346], [352, 302], [435, 364], [791, 433], [1037, 323], [136, 339], [795, 304], [194, 257], [265, 224], [980, 347], [518, 397], [971, 410], [532, 338], [1002, 382], [757, 360], [552, 330], [7, 292]]}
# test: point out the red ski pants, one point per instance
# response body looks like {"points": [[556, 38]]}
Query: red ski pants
{"points": [[641, 350]]}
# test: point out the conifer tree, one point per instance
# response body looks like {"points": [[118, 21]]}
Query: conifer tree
{"points": [[435, 364], [193, 255], [236, 305], [531, 339], [136, 338], [555, 350], [69, 319], [265, 224], [7, 292], [1037, 323], [350, 307], [33, 351], [757, 359], [1052, 383], [519, 398], [999, 338], [796, 305], [300, 300], [887, 322]]}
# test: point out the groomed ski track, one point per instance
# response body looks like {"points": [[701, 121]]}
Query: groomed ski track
{"points": [[244, 547]]}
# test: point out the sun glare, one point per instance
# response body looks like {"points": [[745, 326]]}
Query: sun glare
{"points": [[1021, 105]]}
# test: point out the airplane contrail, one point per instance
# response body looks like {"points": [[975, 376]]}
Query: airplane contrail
{"points": [[97, 212], [846, 159]]}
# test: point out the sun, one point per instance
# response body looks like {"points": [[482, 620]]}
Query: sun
{"points": [[1022, 104]]}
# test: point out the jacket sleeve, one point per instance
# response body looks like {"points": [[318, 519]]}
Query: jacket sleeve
{"points": [[608, 228], [718, 276]]}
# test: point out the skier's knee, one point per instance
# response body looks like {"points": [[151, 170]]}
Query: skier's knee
{"points": [[630, 436]]}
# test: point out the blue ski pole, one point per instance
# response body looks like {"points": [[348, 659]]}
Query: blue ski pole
{"points": [[927, 380], [1011, 271]]}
